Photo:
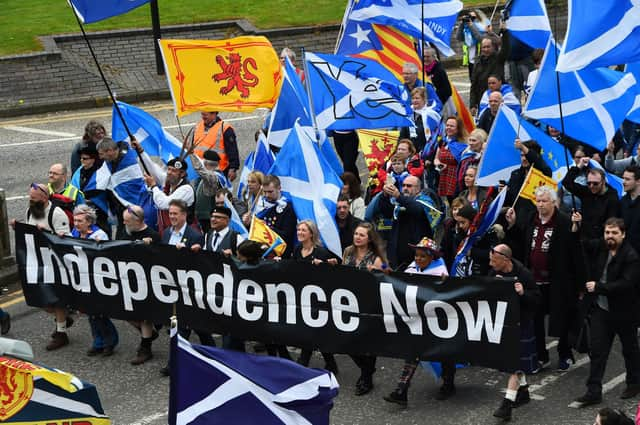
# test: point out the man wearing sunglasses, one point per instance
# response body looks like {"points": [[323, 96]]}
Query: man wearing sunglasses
{"points": [[599, 201]]}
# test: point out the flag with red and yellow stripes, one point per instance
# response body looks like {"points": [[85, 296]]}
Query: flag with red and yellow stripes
{"points": [[382, 43]]}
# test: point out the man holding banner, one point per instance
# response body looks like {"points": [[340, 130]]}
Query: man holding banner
{"points": [[552, 252]]}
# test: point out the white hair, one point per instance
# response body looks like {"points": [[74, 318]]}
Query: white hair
{"points": [[547, 190], [87, 211], [411, 67]]}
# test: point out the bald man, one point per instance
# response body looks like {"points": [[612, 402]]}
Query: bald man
{"points": [[489, 115]]}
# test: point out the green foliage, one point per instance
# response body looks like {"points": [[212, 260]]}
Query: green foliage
{"points": [[23, 20]]}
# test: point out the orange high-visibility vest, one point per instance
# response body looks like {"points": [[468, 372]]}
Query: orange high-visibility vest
{"points": [[212, 139]]}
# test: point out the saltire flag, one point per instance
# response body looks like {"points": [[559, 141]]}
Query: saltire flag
{"points": [[484, 219], [634, 69], [405, 15], [259, 231], [238, 74], [609, 37], [461, 109], [236, 222], [125, 182], [149, 132], [349, 93], [33, 394], [310, 183], [382, 43], [90, 11], [595, 101], [535, 179], [91, 193], [500, 157], [376, 147], [247, 167], [329, 152], [241, 388], [508, 98], [293, 103], [527, 20], [263, 158]]}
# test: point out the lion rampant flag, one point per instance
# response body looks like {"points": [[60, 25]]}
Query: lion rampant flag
{"points": [[376, 146], [536, 179], [238, 74], [261, 232]]}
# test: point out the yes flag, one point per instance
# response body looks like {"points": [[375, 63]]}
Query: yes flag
{"points": [[500, 157], [595, 101], [90, 11], [238, 74], [601, 33], [349, 93], [405, 15], [310, 182], [148, 131], [211, 385], [528, 21]]}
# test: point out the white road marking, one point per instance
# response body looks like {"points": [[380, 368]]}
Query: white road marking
{"points": [[16, 198], [38, 131], [66, 139], [550, 379], [608, 386], [151, 418], [461, 84]]}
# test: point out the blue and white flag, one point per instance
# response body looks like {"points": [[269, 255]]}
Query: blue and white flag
{"points": [[310, 183], [329, 152], [125, 182], [595, 101], [90, 11], [489, 217], [508, 98], [263, 158], [148, 131], [614, 181], [236, 222], [349, 93], [293, 103], [528, 22], [247, 167], [500, 157], [634, 69], [405, 15], [91, 193], [211, 385], [601, 33]]}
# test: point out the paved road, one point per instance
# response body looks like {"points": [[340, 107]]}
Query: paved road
{"points": [[138, 395]]}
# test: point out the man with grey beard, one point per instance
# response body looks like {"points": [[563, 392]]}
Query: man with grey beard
{"points": [[43, 214]]}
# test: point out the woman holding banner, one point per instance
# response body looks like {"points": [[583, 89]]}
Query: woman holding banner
{"points": [[366, 253], [427, 261], [310, 250]]}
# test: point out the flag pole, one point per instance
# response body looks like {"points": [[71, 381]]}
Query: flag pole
{"points": [[104, 80], [421, 49], [524, 184], [566, 155], [493, 13]]}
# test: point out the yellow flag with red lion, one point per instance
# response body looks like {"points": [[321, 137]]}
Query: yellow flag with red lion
{"points": [[238, 74]]}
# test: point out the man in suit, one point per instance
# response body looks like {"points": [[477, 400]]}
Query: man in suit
{"points": [[181, 235], [221, 238]]}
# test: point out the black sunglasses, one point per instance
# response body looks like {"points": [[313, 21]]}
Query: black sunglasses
{"points": [[132, 212]]}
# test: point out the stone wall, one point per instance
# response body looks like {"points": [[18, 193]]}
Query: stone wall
{"points": [[64, 75]]}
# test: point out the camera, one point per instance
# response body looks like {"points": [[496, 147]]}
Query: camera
{"points": [[465, 18]]}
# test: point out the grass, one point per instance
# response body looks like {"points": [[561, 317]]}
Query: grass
{"points": [[22, 21]]}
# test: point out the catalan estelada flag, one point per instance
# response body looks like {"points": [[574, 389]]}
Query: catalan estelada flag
{"points": [[536, 179], [382, 43], [260, 232], [238, 74]]}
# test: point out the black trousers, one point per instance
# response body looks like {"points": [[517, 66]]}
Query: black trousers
{"points": [[367, 364], [564, 351], [603, 331]]}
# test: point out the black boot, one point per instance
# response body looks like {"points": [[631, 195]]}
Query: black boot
{"points": [[446, 391], [305, 357], [398, 396], [504, 411], [330, 363], [522, 397], [364, 384]]}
